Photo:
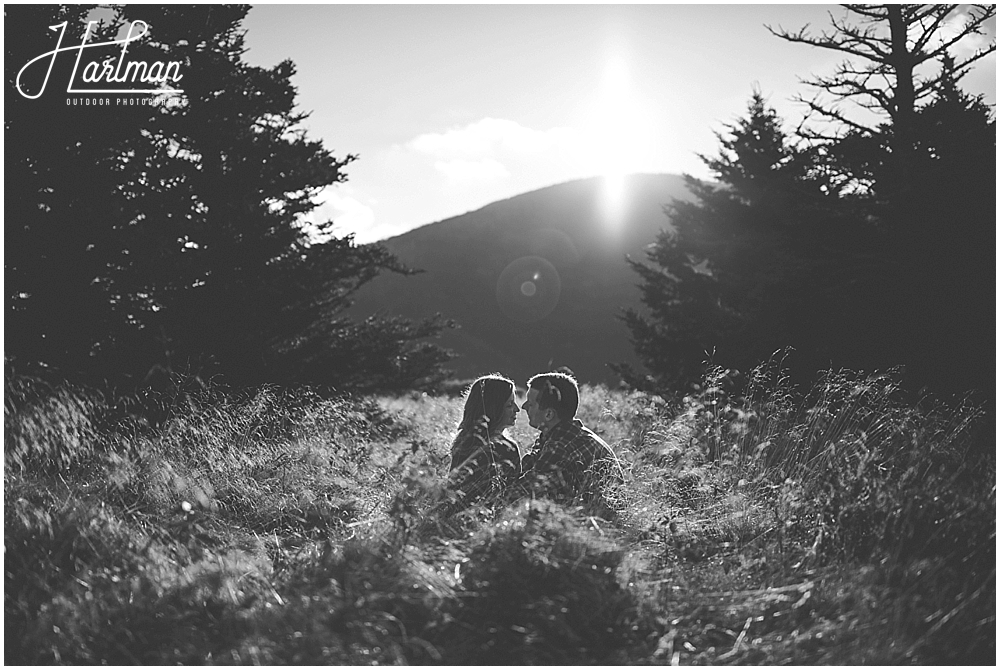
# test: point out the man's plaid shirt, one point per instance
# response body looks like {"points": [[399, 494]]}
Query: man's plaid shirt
{"points": [[567, 461]]}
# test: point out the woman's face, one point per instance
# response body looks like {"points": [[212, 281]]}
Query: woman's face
{"points": [[509, 414]]}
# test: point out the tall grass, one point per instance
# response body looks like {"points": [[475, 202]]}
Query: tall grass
{"points": [[847, 474], [755, 524]]}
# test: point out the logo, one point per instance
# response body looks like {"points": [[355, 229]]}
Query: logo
{"points": [[109, 75]]}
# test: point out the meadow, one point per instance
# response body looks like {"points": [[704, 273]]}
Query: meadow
{"points": [[758, 523]]}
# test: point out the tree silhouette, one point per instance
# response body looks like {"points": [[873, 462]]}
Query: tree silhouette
{"points": [[759, 261], [941, 304], [785, 251], [926, 161], [171, 236], [890, 70]]}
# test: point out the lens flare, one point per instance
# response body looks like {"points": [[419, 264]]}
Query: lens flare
{"points": [[528, 289]]}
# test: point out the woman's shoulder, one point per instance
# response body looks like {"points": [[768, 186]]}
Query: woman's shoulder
{"points": [[505, 441], [463, 447]]}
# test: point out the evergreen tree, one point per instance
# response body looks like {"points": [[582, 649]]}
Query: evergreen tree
{"points": [[61, 251], [927, 165], [941, 295], [785, 251], [171, 236], [861, 244], [756, 263]]}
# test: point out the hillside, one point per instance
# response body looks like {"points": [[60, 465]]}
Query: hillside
{"points": [[534, 281]]}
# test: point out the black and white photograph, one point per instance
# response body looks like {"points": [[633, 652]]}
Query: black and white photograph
{"points": [[500, 334]]}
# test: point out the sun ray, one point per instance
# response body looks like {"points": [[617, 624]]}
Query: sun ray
{"points": [[616, 137]]}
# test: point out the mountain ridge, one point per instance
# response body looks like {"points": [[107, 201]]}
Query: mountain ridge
{"points": [[535, 281]]}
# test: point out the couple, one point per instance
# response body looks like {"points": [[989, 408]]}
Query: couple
{"points": [[566, 461]]}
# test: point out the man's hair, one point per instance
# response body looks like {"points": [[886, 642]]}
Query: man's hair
{"points": [[557, 391]]}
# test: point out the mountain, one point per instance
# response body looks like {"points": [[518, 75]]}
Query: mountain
{"points": [[535, 281]]}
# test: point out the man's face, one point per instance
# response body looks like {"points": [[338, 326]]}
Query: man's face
{"points": [[536, 415]]}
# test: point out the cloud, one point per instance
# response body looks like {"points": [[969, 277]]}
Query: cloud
{"points": [[347, 213], [482, 150], [460, 169], [952, 27], [487, 137]]}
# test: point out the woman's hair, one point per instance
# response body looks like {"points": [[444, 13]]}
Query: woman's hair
{"points": [[487, 395]]}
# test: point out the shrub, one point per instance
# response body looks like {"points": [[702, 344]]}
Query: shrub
{"points": [[540, 587], [365, 603]]}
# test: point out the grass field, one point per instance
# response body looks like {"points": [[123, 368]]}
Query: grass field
{"points": [[842, 524]]}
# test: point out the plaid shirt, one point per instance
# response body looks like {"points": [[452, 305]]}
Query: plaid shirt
{"points": [[481, 466], [566, 461]]}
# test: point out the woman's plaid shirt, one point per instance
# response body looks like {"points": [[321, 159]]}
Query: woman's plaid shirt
{"points": [[481, 465]]}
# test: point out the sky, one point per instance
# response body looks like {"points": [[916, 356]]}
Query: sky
{"points": [[451, 107]]}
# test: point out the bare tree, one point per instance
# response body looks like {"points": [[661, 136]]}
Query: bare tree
{"points": [[886, 47], [897, 56]]}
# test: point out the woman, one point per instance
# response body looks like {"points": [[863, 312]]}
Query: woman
{"points": [[483, 458]]}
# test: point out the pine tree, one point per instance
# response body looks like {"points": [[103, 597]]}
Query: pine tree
{"points": [[926, 165], [944, 294], [878, 234], [785, 251], [171, 236], [753, 265]]}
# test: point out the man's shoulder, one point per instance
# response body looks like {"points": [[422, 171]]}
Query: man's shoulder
{"points": [[581, 431], [568, 439], [596, 452], [574, 441]]}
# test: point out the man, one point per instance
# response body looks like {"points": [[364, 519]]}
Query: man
{"points": [[567, 460]]}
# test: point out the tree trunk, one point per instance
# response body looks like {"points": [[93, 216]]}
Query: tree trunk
{"points": [[901, 61]]}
